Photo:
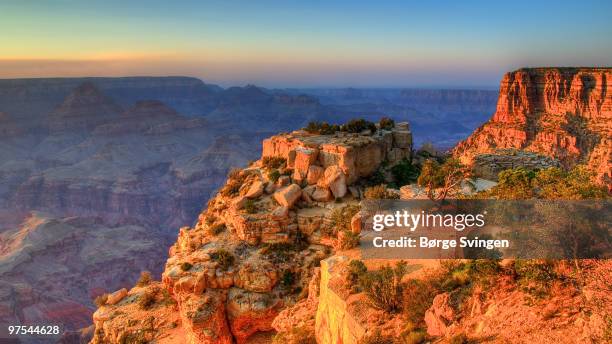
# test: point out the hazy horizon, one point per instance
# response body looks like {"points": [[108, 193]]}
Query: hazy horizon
{"points": [[276, 44]]}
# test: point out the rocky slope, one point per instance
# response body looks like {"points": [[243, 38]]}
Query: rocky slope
{"points": [[563, 113], [254, 249]]}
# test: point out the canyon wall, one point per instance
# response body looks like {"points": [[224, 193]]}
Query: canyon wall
{"points": [[563, 113]]}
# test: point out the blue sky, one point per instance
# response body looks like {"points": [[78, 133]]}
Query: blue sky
{"points": [[303, 43]]}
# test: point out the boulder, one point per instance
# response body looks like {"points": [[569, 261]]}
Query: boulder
{"points": [[270, 188], [288, 196], [116, 296], [320, 194], [335, 180], [283, 181], [439, 315], [280, 213], [304, 158], [256, 190], [259, 277], [240, 202], [356, 223], [314, 174]]}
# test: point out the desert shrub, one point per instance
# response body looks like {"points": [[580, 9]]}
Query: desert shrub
{"points": [[405, 173], [274, 175], [279, 252], [146, 300], [358, 125], [348, 240], [186, 266], [232, 187], [322, 128], [216, 228], [250, 207], [460, 338], [340, 219], [417, 297], [271, 162], [288, 279], [145, 279], [386, 123], [377, 178], [445, 177], [376, 338], [356, 270], [101, 300], [384, 287], [379, 192], [535, 276], [224, 258]]}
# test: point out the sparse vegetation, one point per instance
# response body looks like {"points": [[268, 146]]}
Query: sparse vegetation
{"points": [[145, 279], [358, 125], [379, 192], [101, 300], [272, 162], [348, 240], [186, 266], [356, 269], [224, 258], [322, 128], [414, 337], [440, 180], [535, 276], [384, 287], [405, 173], [386, 123], [340, 220], [273, 175]]}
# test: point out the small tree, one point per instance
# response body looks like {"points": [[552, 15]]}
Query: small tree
{"points": [[440, 180]]}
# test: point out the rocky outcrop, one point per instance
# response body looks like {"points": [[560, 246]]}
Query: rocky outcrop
{"points": [[563, 113]]}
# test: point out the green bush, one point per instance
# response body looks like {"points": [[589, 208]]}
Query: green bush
{"points": [[405, 173], [322, 128], [358, 125], [288, 279], [535, 276], [186, 266], [384, 287], [145, 279], [274, 175], [417, 297], [224, 258], [340, 220], [356, 270], [273, 162], [348, 240], [386, 123], [379, 192]]}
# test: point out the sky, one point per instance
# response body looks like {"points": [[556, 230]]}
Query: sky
{"points": [[303, 43]]}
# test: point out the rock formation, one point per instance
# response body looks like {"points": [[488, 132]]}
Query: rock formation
{"points": [[253, 251], [562, 113]]}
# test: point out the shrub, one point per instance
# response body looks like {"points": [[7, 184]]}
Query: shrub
{"points": [[340, 219], [348, 240], [535, 276], [379, 192], [405, 173], [358, 125], [273, 162], [146, 300], [445, 177], [101, 300], [250, 207], [322, 128], [274, 175], [356, 270], [224, 258], [216, 228], [278, 252], [288, 278], [186, 266], [386, 123], [384, 288], [231, 188], [417, 298], [145, 279], [233, 173]]}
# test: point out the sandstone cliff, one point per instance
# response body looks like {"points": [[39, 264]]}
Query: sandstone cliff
{"points": [[254, 250], [563, 113]]}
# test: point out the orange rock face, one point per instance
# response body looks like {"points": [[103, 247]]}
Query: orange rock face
{"points": [[564, 113]]}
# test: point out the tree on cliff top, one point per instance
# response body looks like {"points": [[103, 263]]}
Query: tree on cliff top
{"points": [[440, 179]]}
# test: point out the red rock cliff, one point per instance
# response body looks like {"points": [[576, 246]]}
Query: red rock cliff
{"points": [[564, 113]]}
